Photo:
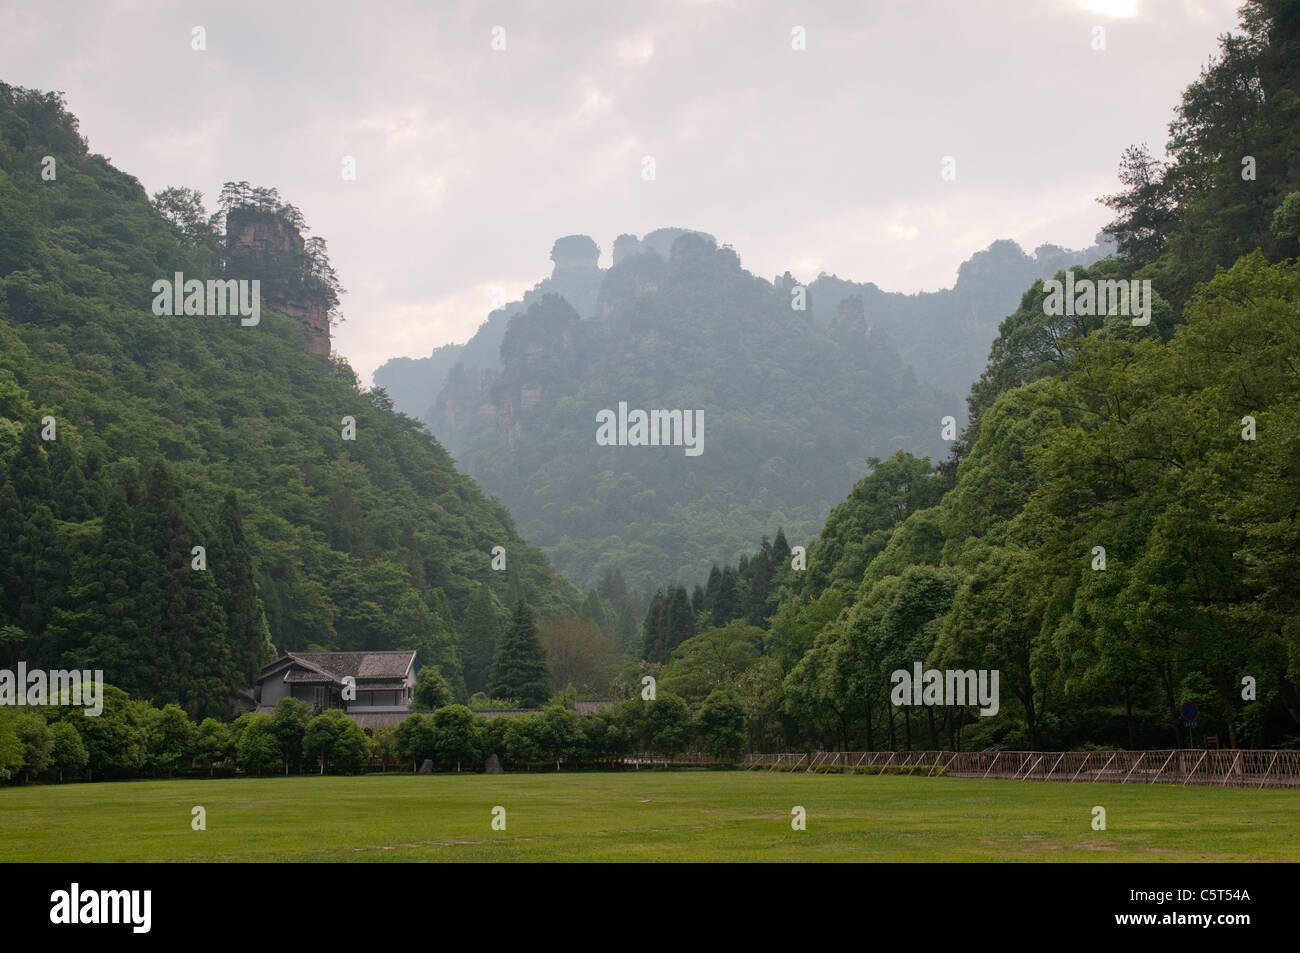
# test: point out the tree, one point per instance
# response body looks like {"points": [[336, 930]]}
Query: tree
{"points": [[669, 622], [578, 653], [184, 622], [336, 740], [11, 748], [760, 691], [68, 755], [350, 749], [429, 632], [290, 725], [383, 745], [456, 736], [720, 725], [668, 724], [560, 733], [231, 560], [519, 670], [431, 691], [183, 209], [115, 741], [38, 745], [213, 744], [414, 739], [171, 738], [522, 738], [258, 750], [482, 630], [1146, 208], [712, 659]]}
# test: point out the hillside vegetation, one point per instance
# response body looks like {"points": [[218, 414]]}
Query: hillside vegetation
{"points": [[176, 432]]}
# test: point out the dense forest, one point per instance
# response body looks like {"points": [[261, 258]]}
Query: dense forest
{"points": [[127, 440]]}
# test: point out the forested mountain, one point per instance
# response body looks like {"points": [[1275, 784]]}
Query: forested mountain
{"points": [[799, 385], [415, 384], [790, 410], [964, 317], [1120, 533], [128, 439]]}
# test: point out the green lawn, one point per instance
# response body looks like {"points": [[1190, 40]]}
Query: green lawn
{"points": [[643, 816]]}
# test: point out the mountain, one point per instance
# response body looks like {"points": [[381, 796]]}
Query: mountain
{"points": [[964, 317], [127, 439], [797, 394], [791, 409]]}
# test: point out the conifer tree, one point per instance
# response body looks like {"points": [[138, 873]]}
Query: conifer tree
{"points": [[482, 631], [231, 563], [519, 670]]}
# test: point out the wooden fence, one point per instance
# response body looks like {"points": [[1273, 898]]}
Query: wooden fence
{"points": [[1225, 766]]}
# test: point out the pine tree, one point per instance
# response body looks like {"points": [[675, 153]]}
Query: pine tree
{"points": [[10, 526], [654, 634], [760, 585], [231, 561], [519, 670], [681, 620], [726, 602], [183, 644], [482, 631], [781, 551], [669, 622]]}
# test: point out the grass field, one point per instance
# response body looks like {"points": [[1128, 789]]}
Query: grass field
{"points": [[644, 815]]}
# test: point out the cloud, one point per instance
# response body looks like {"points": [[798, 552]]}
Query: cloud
{"points": [[1110, 8]]}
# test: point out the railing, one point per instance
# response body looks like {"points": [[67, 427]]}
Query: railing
{"points": [[1214, 766]]}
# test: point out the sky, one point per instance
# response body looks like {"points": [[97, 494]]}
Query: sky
{"points": [[809, 136]]}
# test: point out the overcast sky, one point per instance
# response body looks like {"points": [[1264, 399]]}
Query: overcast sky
{"points": [[470, 161]]}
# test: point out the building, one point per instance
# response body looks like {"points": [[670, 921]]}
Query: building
{"points": [[374, 689]]}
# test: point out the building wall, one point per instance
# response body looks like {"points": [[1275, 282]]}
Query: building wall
{"points": [[273, 689]]}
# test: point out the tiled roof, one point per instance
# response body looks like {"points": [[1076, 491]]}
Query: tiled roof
{"points": [[297, 676], [335, 666]]}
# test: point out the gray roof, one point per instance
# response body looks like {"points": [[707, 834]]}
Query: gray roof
{"points": [[364, 667]]}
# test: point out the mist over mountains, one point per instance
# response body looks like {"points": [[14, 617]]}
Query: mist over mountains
{"points": [[799, 384]]}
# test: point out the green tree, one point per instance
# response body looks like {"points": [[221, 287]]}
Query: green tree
{"points": [[171, 738], [431, 691], [68, 755], [523, 740], [519, 670], [258, 750], [37, 743], [289, 722], [11, 748], [336, 741], [456, 735], [482, 631], [713, 659], [414, 739], [560, 733], [720, 725], [213, 744], [667, 726]]}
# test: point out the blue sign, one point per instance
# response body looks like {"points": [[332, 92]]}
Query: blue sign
{"points": [[1189, 711]]}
